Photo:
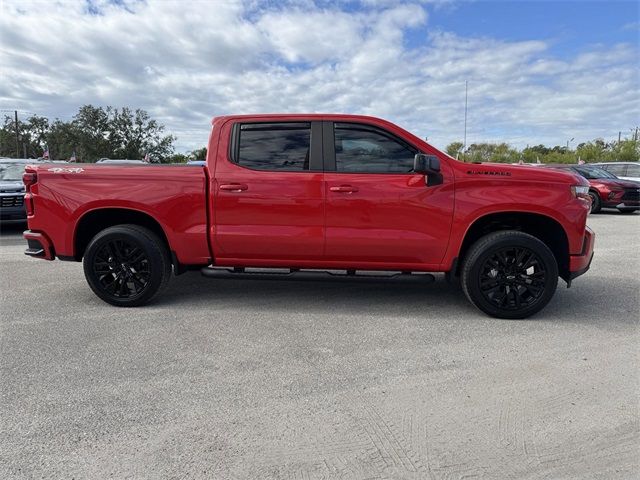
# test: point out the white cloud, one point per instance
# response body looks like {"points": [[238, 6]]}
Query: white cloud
{"points": [[187, 61]]}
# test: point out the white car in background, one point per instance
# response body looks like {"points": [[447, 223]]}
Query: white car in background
{"points": [[624, 170]]}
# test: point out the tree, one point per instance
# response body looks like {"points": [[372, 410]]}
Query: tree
{"points": [[32, 136], [177, 158], [198, 154], [454, 149], [94, 132], [627, 150], [491, 152], [91, 126], [590, 152], [135, 134]]}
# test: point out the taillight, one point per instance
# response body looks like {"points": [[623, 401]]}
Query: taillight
{"points": [[29, 178], [28, 204]]}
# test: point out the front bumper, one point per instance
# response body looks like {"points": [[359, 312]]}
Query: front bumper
{"points": [[39, 245], [13, 213], [628, 206], [579, 264]]}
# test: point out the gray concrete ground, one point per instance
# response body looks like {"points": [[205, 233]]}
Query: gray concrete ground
{"points": [[251, 378]]}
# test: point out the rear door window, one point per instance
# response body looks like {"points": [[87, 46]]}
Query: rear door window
{"points": [[274, 146]]}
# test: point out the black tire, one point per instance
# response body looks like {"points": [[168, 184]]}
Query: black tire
{"points": [[127, 265], [509, 274], [626, 210], [596, 204]]}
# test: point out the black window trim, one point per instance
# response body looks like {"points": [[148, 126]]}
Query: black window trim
{"points": [[315, 142], [329, 145]]}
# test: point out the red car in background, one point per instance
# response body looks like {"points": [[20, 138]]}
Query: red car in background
{"points": [[606, 190]]}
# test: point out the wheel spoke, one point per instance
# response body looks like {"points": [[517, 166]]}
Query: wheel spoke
{"points": [[516, 296], [134, 251], [502, 259], [137, 281], [123, 286], [504, 280], [113, 251], [122, 268]]}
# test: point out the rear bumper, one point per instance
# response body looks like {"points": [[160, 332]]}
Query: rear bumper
{"points": [[579, 264], [39, 245]]}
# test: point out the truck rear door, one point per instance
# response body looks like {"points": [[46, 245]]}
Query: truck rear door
{"points": [[378, 210], [269, 199]]}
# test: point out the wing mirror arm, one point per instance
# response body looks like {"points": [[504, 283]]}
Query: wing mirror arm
{"points": [[429, 165]]}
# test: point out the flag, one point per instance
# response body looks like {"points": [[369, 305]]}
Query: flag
{"points": [[45, 155], [146, 158], [73, 158]]}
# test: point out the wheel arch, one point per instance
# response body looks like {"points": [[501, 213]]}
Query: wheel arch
{"points": [[94, 221], [545, 228]]}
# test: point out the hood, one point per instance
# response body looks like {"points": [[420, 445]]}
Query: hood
{"points": [[610, 182], [11, 186], [519, 172]]}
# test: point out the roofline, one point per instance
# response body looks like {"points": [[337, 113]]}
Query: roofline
{"points": [[311, 116]]}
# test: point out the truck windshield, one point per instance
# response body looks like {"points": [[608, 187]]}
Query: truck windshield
{"points": [[11, 171]]}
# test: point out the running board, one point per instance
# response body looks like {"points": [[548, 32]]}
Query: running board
{"points": [[225, 272]]}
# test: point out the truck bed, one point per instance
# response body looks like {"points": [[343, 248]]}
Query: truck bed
{"points": [[174, 195]]}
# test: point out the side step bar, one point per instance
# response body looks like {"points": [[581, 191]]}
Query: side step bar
{"points": [[245, 272]]}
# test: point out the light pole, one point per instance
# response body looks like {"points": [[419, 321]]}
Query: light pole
{"points": [[466, 96], [572, 139]]}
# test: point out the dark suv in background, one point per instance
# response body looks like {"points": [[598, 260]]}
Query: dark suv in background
{"points": [[12, 188], [606, 190]]}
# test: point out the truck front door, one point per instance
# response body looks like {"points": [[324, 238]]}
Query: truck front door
{"points": [[378, 210]]}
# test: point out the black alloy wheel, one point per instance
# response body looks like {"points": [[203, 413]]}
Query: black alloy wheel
{"points": [[122, 268], [512, 278], [509, 274], [127, 265]]}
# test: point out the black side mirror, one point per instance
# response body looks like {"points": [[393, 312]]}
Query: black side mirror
{"points": [[423, 163], [428, 165]]}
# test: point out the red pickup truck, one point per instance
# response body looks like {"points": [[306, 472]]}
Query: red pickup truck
{"points": [[329, 192]]}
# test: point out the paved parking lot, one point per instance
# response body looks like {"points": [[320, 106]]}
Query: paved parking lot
{"points": [[353, 379]]}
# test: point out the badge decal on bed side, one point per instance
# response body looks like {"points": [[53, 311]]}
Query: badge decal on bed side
{"points": [[66, 170]]}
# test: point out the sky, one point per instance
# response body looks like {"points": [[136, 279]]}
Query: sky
{"points": [[538, 72]]}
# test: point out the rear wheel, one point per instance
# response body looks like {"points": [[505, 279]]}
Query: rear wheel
{"points": [[509, 274], [596, 204], [126, 265]]}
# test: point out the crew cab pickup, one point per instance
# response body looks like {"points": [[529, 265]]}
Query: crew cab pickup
{"points": [[328, 192]]}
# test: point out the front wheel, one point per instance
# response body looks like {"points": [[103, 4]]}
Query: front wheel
{"points": [[126, 265], [596, 204], [509, 274]]}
